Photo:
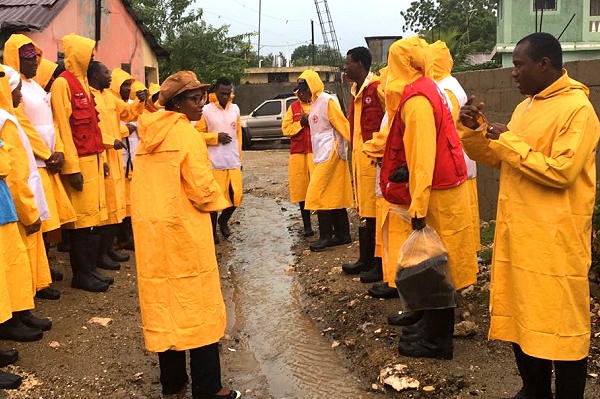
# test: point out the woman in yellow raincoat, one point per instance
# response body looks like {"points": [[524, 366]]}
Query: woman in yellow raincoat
{"points": [[539, 294], [329, 191], [173, 192]]}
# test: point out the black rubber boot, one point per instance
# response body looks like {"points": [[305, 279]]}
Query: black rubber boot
{"points": [[383, 291], [366, 259], [224, 219], [83, 255], [436, 342], [40, 323], [111, 252], [48, 293], [8, 356], [570, 378], [308, 231], [341, 227], [125, 235], [65, 242], [405, 318], [213, 219], [412, 333], [56, 275], [375, 274], [103, 261], [325, 231], [9, 381], [13, 329], [536, 375]]}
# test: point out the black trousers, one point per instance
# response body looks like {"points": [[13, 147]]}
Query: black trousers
{"points": [[205, 367], [537, 376]]}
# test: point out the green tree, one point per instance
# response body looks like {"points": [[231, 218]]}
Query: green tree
{"points": [[193, 44], [302, 55]]}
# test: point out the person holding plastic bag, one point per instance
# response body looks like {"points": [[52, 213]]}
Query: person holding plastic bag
{"points": [[423, 171]]}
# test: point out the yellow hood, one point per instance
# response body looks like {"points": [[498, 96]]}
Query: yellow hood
{"points": [[408, 60], [562, 84], [315, 84], [45, 71], [383, 74], [5, 93], [154, 127], [135, 86], [153, 89], [118, 77], [78, 53], [441, 59], [11, 50]]}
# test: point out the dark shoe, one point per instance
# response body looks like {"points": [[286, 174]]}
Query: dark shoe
{"points": [[14, 330], [309, 233], [106, 263], [101, 277], [89, 283], [56, 275], [48, 293], [9, 381], [423, 349], [366, 260], [117, 256], [321, 244], [384, 291], [39, 323], [8, 356], [336, 240], [522, 394], [232, 395], [374, 275], [412, 333], [224, 228], [404, 318], [216, 238]]}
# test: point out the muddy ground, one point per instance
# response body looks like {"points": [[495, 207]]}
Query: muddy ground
{"points": [[82, 359]]}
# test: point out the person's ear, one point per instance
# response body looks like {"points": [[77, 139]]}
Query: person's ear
{"points": [[545, 64]]}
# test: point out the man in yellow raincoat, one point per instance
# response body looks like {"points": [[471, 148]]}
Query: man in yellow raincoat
{"points": [[539, 295], [222, 130], [300, 167], [329, 191], [173, 192], [423, 140], [365, 115], [111, 111], [35, 117], [83, 171]]}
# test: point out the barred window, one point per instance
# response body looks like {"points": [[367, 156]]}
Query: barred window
{"points": [[544, 5]]}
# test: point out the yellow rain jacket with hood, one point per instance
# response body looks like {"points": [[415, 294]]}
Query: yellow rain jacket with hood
{"points": [[59, 205], [329, 186], [539, 295], [446, 211], [90, 203], [173, 193], [45, 72]]}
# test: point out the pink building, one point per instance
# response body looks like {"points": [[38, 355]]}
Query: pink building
{"points": [[122, 39]]}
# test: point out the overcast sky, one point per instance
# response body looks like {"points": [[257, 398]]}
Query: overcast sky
{"points": [[287, 22]]}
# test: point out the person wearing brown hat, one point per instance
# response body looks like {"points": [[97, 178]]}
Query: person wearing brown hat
{"points": [[173, 192]]}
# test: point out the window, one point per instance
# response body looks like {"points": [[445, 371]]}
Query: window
{"points": [[278, 77], [269, 109], [126, 67], [594, 7], [544, 5], [289, 102]]}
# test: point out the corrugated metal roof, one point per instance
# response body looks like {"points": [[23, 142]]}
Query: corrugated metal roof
{"points": [[28, 15]]}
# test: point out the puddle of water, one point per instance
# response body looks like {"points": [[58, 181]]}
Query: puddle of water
{"points": [[296, 359]]}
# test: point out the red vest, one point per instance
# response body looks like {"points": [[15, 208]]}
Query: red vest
{"points": [[371, 115], [450, 169], [300, 143], [87, 136]]}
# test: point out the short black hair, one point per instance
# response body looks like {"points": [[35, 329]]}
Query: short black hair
{"points": [[542, 45], [93, 68], [222, 81], [362, 55]]}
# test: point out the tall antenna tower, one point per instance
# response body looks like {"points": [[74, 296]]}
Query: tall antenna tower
{"points": [[334, 55]]}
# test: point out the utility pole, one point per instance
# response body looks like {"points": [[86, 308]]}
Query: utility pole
{"points": [[259, 15], [312, 40]]}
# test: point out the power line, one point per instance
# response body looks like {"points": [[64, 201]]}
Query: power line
{"points": [[286, 20]]}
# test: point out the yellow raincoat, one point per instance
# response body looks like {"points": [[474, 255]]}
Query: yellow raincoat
{"points": [[329, 186], [59, 205], [13, 254], [173, 191], [539, 296], [226, 177], [19, 273], [363, 166], [89, 204], [45, 71], [300, 166], [446, 211]]}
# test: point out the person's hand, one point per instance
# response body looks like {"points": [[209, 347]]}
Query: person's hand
{"points": [[33, 228], [494, 130], [469, 113], [304, 120], [106, 171], [142, 95], [118, 145], [131, 127], [400, 175], [418, 223], [76, 181], [224, 138], [55, 163]]}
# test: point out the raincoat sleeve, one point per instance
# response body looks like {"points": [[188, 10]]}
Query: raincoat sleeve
{"points": [[17, 179], [209, 138], [59, 146], [129, 112], [5, 159], [338, 120], [288, 126], [476, 145], [420, 146], [61, 108], [38, 146], [375, 147], [570, 151], [198, 181], [124, 131]]}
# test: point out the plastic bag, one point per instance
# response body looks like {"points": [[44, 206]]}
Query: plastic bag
{"points": [[423, 277]]}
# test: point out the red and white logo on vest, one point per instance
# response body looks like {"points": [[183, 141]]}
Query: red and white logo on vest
{"points": [[368, 100], [315, 119], [233, 125]]}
